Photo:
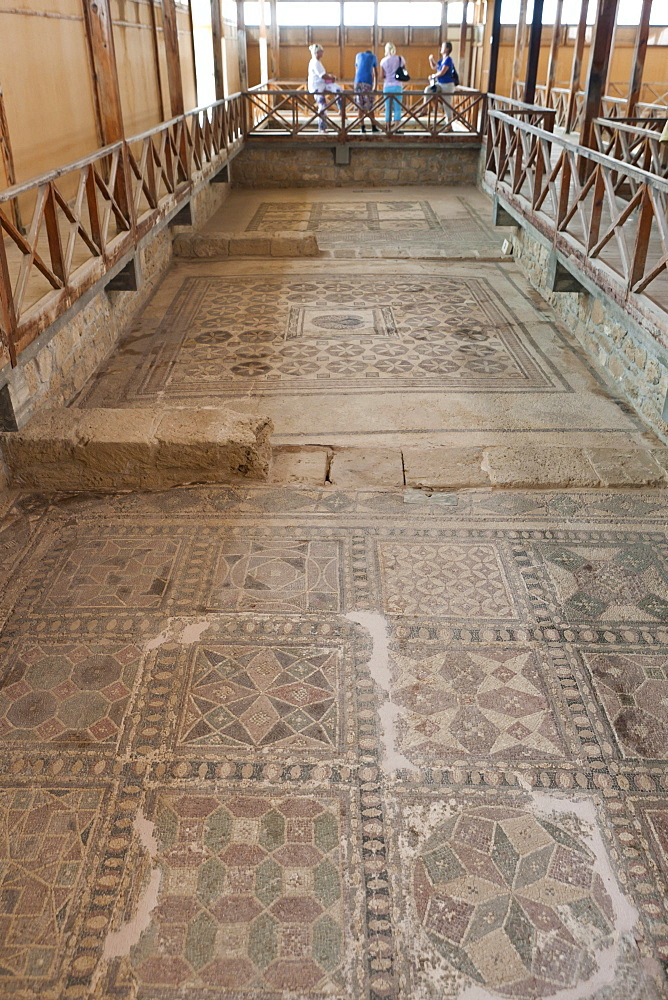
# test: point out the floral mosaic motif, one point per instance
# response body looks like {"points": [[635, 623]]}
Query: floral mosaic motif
{"points": [[444, 579], [58, 692], [294, 575], [633, 688], [251, 897], [512, 901], [260, 696], [485, 702], [613, 583], [44, 837], [112, 574]]}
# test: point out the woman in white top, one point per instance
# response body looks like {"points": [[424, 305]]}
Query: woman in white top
{"points": [[388, 67], [320, 82]]}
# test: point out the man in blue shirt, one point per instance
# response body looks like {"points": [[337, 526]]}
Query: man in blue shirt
{"points": [[442, 81], [366, 69]]}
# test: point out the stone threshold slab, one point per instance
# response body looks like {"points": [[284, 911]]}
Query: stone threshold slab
{"points": [[149, 448]]}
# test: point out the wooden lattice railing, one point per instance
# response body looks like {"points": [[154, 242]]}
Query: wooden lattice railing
{"points": [[612, 105], [82, 219], [635, 141], [285, 113], [617, 237]]}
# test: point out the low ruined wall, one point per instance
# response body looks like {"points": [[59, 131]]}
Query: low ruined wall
{"points": [[305, 164], [54, 369], [626, 352]]}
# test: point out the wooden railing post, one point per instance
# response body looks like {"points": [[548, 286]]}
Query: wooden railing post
{"points": [[554, 53], [576, 69], [534, 52], [639, 52], [8, 324]]}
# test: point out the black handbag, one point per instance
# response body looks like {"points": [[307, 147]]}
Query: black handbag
{"points": [[401, 74]]}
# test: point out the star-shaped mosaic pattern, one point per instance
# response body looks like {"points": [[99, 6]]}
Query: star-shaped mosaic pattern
{"points": [[261, 696], [483, 702], [513, 901]]}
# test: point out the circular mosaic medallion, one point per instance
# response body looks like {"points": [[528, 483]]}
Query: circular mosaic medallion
{"points": [[513, 901], [338, 322]]}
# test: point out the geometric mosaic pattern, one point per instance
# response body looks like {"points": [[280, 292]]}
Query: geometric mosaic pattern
{"points": [[483, 702], [609, 582], [513, 901], [245, 696], [633, 689], [265, 911], [234, 335], [340, 216], [297, 575], [75, 693], [45, 834], [366, 227], [452, 580], [208, 722]]}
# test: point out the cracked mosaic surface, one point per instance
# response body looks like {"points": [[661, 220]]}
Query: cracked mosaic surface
{"points": [[198, 793]]}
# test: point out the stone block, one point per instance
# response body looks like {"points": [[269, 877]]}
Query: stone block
{"points": [[218, 443], [113, 442], [641, 467], [136, 448], [294, 245], [359, 468], [304, 465], [49, 439], [531, 466], [249, 246], [444, 468]]}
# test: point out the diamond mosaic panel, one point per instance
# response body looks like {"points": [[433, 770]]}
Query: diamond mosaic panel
{"points": [[45, 837], [475, 703], [245, 697]]}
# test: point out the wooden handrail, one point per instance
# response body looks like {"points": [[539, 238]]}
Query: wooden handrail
{"points": [[618, 239]]}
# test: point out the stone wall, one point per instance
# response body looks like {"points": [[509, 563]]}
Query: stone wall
{"points": [[58, 364], [625, 351], [304, 164]]}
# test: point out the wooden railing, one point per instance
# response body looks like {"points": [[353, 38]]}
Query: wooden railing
{"points": [[635, 141], [534, 114], [82, 219], [289, 114], [570, 195], [612, 105]]}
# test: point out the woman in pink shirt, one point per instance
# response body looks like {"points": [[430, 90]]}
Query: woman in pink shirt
{"points": [[388, 67]]}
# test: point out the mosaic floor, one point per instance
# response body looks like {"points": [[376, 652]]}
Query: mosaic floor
{"points": [[268, 743], [404, 222]]}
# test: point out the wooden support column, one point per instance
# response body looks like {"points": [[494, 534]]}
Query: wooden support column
{"points": [[262, 44], [604, 30], [174, 80], [274, 42], [462, 44], [192, 47], [241, 47], [639, 52], [375, 29], [520, 43], [156, 58], [443, 29], [217, 38], [554, 53], [8, 162], [97, 18], [576, 69], [342, 42], [494, 46], [534, 52]]}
